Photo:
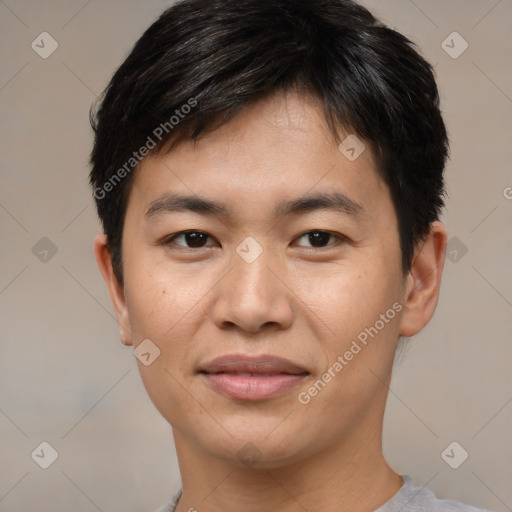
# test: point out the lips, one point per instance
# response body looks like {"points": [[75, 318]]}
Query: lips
{"points": [[252, 378]]}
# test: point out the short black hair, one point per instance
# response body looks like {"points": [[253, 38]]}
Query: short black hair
{"points": [[204, 61]]}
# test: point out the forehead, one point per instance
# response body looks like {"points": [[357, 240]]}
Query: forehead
{"points": [[276, 149]]}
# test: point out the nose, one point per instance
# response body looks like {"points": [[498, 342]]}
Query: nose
{"points": [[253, 297]]}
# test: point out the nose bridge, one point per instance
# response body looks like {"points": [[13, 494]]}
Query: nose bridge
{"points": [[251, 276], [251, 295]]}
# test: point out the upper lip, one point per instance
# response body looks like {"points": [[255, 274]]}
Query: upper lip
{"points": [[263, 364]]}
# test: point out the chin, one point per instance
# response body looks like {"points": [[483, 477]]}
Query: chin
{"points": [[259, 448]]}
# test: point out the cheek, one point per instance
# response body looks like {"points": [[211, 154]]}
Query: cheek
{"points": [[345, 299], [153, 305], [167, 304], [351, 305], [161, 298], [164, 307]]}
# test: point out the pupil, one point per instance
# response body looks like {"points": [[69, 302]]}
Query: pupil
{"points": [[318, 238], [195, 239]]}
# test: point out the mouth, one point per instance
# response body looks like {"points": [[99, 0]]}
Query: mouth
{"points": [[252, 378]]}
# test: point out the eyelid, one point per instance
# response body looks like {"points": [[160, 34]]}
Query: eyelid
{"points": [[169, 239], [340, 238]]}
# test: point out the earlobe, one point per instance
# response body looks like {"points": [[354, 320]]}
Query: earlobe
{"points": [[116, 291], [424, 281]]}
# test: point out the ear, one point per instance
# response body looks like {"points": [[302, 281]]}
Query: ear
{"points": [[424, 281], [116, 291]]}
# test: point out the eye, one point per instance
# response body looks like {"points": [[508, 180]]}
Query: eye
{"points": [[190, 239], [319, 239]]}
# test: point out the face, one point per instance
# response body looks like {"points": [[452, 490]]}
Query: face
{"points": [[265, 246]]}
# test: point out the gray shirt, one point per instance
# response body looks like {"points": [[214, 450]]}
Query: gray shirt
{"points": [[408, 499]]}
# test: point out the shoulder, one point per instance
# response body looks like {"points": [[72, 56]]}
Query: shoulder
{"points": [[408, 499], [170, 505], [420, 499]]}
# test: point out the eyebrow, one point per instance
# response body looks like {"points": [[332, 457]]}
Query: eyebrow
{"points": [[172, 203], [321, 201]]}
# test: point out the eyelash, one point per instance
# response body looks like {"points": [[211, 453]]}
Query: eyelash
{"points": [[168, 241]]}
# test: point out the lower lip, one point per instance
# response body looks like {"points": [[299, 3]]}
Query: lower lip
{"points": [[253, 388]]}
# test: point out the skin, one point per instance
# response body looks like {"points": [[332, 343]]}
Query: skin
{"points": [[296, 301]]}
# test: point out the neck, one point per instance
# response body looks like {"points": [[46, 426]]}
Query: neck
{"points": [[351, 475]]}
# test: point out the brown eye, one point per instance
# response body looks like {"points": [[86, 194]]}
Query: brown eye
{"points": [[190, 239], [318, 239]]}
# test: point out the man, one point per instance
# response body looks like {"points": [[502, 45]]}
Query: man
{"points": [[269, 176]]}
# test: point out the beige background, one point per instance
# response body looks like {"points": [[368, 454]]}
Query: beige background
{"points": [[66, 379]]}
